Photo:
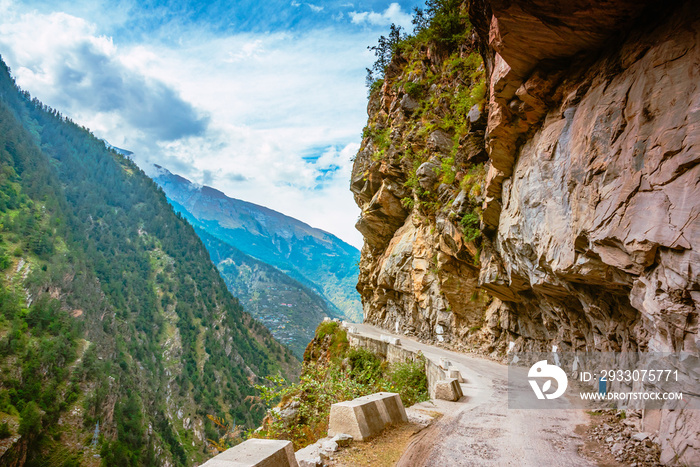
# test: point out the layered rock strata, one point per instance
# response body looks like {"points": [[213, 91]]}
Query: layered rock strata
{"points": [[590, 205]]}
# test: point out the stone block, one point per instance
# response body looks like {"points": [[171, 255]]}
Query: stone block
{"points": [[256, 453], [445, 364], [365, 417], [448, 389], [390, 407], [390, 340], [456, 375]]}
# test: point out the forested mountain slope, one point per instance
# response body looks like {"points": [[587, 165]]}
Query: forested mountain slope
{"points": [[286, 307], [111, 311], [312, 256]]}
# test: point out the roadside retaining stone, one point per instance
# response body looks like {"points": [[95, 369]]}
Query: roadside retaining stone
{"points": [[256, 453], [456, 375], [390, 407], [367, 416], [390, 340], [448, 390]]}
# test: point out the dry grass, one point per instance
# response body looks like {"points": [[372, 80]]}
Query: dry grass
{"points": [[383, 451]]}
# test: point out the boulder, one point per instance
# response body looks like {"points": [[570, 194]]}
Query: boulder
{"points": [[427, 175]]}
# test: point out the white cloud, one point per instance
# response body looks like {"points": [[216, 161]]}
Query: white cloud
{"points": [[279, 115], [315, 8], [393, 14]]}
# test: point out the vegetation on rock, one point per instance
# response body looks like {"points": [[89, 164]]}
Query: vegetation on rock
{"points": [[419, 178], [333, 372]]}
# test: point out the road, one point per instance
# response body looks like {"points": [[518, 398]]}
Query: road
{"points": [[480, 429]]}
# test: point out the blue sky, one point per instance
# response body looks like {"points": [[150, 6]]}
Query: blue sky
{"points": [[262, 100]]}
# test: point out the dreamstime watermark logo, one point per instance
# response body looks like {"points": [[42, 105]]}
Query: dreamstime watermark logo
{"points": [[542, 369]]}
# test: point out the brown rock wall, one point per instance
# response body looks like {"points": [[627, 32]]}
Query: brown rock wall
{"points": [[590, 200]]}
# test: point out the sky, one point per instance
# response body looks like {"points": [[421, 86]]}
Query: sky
{"points": [[264, 101]]}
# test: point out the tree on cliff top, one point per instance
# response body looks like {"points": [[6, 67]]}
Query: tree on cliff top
{"points": [[442, 22]]}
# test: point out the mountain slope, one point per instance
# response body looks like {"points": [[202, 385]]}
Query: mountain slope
{"points": [[314, 257], [285, 306], [111, 311]]}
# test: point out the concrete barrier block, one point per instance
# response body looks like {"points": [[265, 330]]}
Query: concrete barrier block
{"points": [[445, 364], [390, 340], [256, 453], [448, 389], [390, 407], [358, 418], [456, 375]]}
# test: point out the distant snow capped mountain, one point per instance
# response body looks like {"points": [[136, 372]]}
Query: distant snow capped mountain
{"points": [[312, 256]]}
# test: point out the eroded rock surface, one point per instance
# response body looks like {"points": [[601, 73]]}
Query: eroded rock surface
{"points": [[599, 211], [590, 198]]}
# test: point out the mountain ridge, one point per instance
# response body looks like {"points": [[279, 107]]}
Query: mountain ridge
{"points": [[112, 314], [313, 256]]}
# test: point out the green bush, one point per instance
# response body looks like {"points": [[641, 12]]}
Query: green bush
{"points": [[30, 420], [326, 328], [5, 430], [357, 372], [415, 90], [470, 226], [411, 380], [375, 86], [365, 366]]}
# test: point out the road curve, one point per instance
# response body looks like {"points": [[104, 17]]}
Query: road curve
{"points": [[480, 429]]}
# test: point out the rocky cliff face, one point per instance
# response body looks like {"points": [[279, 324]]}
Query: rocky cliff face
{"points": [[418, 178], [590, 205]]}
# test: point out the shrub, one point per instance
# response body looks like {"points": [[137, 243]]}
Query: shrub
{"points": [[448, 170], [415, 90], [324, 383], [366, 366], [30, 420], [411, 381], [470, 226], [5, 430]]}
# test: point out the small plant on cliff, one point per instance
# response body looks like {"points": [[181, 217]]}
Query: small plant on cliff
{"points": [[447, 169], [471, 183], [470, 226], [408, 203], [415, 90]]}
